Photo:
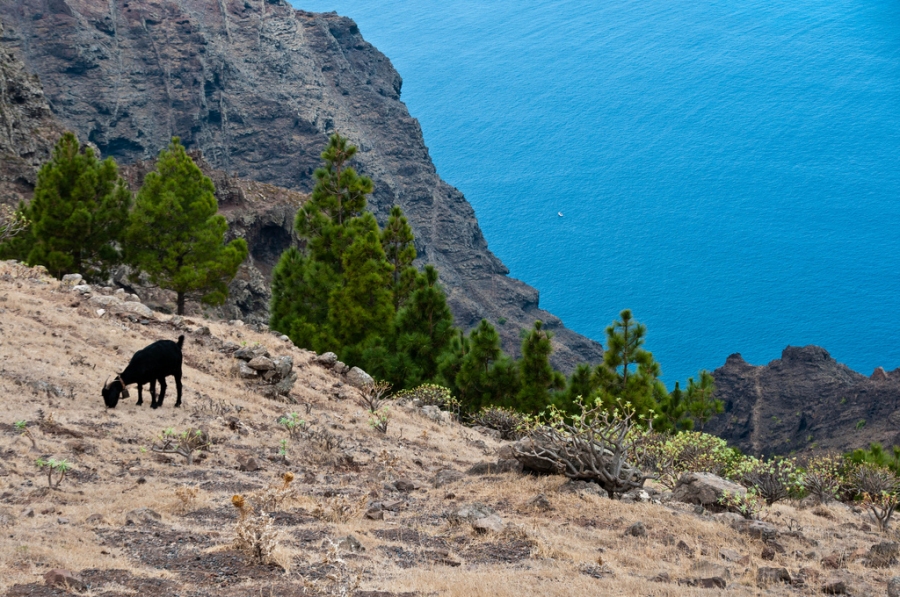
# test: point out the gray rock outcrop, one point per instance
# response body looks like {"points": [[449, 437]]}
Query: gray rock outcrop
{"points": [[704, 489]]}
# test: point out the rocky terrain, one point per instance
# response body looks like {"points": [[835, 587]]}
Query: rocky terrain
{"points": [[258, 86], [28, 130], [429, 508], [805, 401]]}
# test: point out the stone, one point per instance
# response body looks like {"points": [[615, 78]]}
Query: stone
{"points": [[284, 387], [893, 587], [637, 530], [62, 520], [393, 505], [405, 485], [708, 569], [836, 588], [245, 372], [261, 364], [730, 555], [435, 414], [136, 308], [481, 517], [105, 301], [834, 561], [768, 553], [283, 366], [704, 489], [351, 543], [713, 582], [72, 279], [685, 548], [95, 519], [248, 463], [120, 292], [494, 468], [523, 453], [358, 378], [202, 331], [882, 555], [446, 477], [82, 288], [327, 360], [64, 579], [766, 576], [756, 529], [635, 495], [340, 368], [142, 517], [28, 512], [492, 523], [375, 514], [539, 502], [879, 374], [491, 433], [580, 486]]}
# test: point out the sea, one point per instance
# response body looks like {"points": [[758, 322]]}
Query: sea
{"points": [[729, 170]]}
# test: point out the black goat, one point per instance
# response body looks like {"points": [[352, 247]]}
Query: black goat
{"points": [[150, 364]]}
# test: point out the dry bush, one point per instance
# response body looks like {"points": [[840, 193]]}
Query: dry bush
{"points": [[271, 498], [595, 445], [187, 496], [183, 444], [340, 581], [339, 509], [256, 536], [879, 489]]}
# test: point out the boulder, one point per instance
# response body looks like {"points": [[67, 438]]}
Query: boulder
{"points": [[261, 364], [704, 489], [72, 279], [244, 371], [766, 576], [340, 368], [530, 462], [893, 587], [283, 366], [882, 555], [142, 517], [445, 477], [82, 288], [327, 359], [105, 301], [64, 579], [358, 378], [136, 308], [284, 387], [481, 517], [496, 468], [637, 530]]}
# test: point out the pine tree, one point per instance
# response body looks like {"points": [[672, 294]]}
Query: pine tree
{"points": [[424, 328], [361, 306], [397, 240], [701, 404], [539, 379], [78, 213], [175, 235], [486, 375], [580, 384], [672, 412], [301, 288], [629, 375]]}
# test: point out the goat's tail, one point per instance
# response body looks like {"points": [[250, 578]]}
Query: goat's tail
{"points": [[180, 341]]}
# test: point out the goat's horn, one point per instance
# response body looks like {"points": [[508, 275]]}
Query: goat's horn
{"points": [[106, 383]]}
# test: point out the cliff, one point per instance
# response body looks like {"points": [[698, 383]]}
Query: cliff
{"points": [[258, 87], [805, 401]]}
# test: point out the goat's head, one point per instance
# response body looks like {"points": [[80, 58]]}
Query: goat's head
{"points": [[112, 392]]}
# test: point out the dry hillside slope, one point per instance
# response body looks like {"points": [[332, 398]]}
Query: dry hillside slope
{"points": [[367, 513]]}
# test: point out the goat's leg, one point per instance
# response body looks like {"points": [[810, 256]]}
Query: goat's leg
{"points": [[153, 403], [162, 391], [140, 394], [178, 388]]}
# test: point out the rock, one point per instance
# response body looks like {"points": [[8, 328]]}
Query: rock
{"points": [[836, 588], [375, 514], [446, 477], [245, 372], [769, 576], [248, 463], [64, 579], [539, 502], [202, 331], [28, 513], [685, 548], [340, 368], [714, 582], [661, 577], [768, 553], [879, 374], [62, 520], [530, 462], [491, 433], [351, 543], [82, 288], [72, 279], [834, 561], [327, 360], [882, 555], [405, 485], [95, 519], [481, 517], [707, 569], [637, 530], [284, 387], [393, 505], [893, 587], [635, 495], [261, 364], [142, 517], [730, 555], [358, 378], [578, 486], [136, 308], [283, 366], [105, 301], [704, 489], [756, 529]]}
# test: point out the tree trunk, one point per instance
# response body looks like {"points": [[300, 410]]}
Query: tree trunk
{"points": [[180, 303]]}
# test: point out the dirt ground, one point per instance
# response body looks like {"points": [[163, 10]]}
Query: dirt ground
{"points": [[128, 520]]}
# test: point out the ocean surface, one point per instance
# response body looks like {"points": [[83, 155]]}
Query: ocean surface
{"points": [[728, 170]]}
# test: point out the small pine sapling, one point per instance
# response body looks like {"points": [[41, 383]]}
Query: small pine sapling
{"points": [[56, 470]]}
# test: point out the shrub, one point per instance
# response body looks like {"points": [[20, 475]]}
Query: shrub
{"points": [[373, 395], [429, 394], [687, 451], [748, 505], [379, 419], [825, 476], [772, 480], [595, 445], [292, 423], [184, 443], [879, 489], [511, 424], [56, 470]]}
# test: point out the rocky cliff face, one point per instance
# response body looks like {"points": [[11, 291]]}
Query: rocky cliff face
{"points": [[258, 87], [28, 130], [805, 401]]}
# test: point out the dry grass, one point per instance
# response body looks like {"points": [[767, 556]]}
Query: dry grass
{"points": [[55, 353]]}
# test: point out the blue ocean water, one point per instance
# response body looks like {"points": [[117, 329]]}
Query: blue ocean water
{"points": [[726, 169]]}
